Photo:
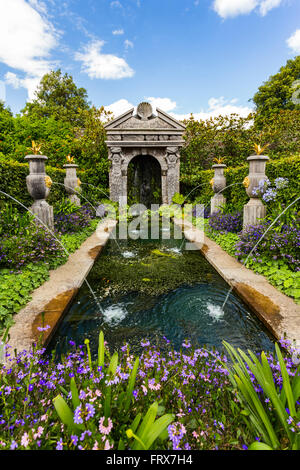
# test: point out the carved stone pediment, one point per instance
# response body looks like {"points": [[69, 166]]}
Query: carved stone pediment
{"points": [[149, 121]]}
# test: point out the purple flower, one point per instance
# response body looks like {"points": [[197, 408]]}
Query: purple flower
{"points": [[59, 444]]}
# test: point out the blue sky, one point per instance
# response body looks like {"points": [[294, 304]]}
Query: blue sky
{"points": [[201, 56]]}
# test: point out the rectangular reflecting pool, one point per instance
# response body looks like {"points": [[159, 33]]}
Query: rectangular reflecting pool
{"points": [[156, 289]]}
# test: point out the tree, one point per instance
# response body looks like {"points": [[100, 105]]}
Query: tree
{"points": [[6, 129], [89, 146], [276, 93], [57, 96]]}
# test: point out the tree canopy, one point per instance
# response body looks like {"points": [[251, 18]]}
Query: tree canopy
{"points": [[277, 92], [58, 97]]}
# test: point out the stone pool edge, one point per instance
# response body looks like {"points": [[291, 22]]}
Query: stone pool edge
{"points": [[51, 300], [279, 313]]}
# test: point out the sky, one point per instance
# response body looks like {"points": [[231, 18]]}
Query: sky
{"points": [[206, 57]]}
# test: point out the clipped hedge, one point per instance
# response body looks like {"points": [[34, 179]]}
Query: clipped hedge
{"points": [[236, 195], [13, 182]]}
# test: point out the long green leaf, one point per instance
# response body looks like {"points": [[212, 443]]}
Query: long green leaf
{"points": [[113, 364], [101, 350], [270, 391], [258, 410], [259, 446], [157, 428], [286, 382], [146, 424], [130, 386], [75, 395], [136, 422], [65, 413]]}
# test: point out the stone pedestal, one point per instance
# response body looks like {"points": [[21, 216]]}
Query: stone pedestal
{"points": [[217, 202], [43, 212], [254, 209], [72, 183], [218, 185], [38, 185]]}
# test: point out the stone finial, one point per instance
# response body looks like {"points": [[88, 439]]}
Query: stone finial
{"points": [[72, 183]]}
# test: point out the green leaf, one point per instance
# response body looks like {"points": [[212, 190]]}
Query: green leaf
{"points": [[157, 429], [75, 395], [65, 413], [259, 446], [131, 385], [101, 350], [113, 364], [286, 382]]}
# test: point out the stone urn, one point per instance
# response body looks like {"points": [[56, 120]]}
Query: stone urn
{"points": [[72, 183], [218, 185], [38, 185], [254, 209]]}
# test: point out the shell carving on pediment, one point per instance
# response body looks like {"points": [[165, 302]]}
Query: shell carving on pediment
{"points": [[135, 123]]}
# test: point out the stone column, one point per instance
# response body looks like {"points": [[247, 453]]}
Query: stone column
{"points": [[172, 174], [164, 192], [115, 175], [123, 200], [38, 185], [72, 183], [254, 209], [218, 184]]}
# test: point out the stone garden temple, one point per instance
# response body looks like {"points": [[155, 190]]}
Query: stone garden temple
{"points": [[144, 151]]}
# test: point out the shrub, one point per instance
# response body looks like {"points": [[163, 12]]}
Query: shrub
{"points": [[70, 218], [226, 222], [283, 245], [23, 242]]}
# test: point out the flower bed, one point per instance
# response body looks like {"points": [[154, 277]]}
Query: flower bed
{"points": [[28, 252], [276, 257], [80, 403]]}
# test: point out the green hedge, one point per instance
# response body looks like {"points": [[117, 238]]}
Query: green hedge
{"points": [[236, 195], [13, 181]]}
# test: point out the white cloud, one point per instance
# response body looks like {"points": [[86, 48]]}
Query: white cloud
{"points": [[119, 107], [118, 32], [232, 8], [163, 103], [267, 5], [294, 42], [2, 91], [128, 44], [26, 40], [105, 66], [216, 107]]}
